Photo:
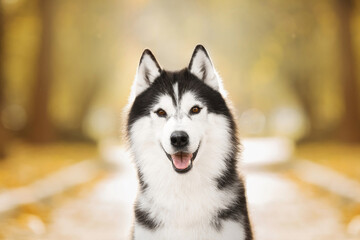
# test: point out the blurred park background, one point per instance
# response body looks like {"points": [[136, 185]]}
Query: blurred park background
{"points": [[291, 68]]}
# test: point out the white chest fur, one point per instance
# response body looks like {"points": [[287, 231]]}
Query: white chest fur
{"points": [[230, 231], [186, 209]]}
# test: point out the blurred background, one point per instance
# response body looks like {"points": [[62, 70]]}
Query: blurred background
{"points": [[291, 69]]}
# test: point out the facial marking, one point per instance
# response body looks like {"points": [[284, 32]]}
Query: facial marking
{"points": [[176, 93], [188, 101], [165, 103]]}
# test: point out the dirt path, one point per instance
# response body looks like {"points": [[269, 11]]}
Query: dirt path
{"points": [[280, 208]]}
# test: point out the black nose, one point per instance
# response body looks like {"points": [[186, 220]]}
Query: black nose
{"points": [[179, 139]]}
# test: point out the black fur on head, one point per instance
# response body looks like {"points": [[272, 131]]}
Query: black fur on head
{"points": [[186, 82]]}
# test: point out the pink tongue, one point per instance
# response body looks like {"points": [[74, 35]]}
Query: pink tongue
{"points": [[181, 160]]}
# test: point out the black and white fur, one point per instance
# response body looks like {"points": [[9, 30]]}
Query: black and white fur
{"points": [[208, 201]]}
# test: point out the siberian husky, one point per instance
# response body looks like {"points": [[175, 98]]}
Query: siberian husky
{"points": [[183, 138]]}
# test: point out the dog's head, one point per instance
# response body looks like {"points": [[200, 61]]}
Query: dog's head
{"points": [[179, 117]]}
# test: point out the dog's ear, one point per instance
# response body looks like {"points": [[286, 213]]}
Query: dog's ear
{"points": [[202, 67], [148, 70]]}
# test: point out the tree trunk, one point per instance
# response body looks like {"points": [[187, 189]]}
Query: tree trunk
{"points": [[40, 126], [2, 83], [350, 126]]}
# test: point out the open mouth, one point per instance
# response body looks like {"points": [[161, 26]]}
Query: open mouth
{"points": [[182, 161]]}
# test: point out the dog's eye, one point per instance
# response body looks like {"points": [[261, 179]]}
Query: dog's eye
{"points": [[195, 110], [161, 113]]}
